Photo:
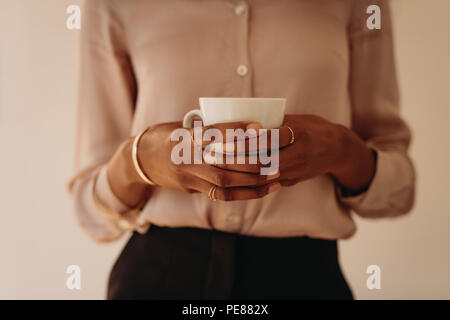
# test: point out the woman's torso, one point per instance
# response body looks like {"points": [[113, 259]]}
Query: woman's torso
{"points": [[297, 49]]}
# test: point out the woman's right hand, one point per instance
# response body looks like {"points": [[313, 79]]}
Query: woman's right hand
{"points": [[154, 154]]}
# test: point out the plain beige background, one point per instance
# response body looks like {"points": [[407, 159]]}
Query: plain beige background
{"points": [[38, 233]]}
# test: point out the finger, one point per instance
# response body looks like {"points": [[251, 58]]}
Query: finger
{"points": [[238, 193], [280, 136], [263, 141], [218, 132], [250, 168], [244, 125], [226, 178], [249, 163], [233, 194], [247, 167]]}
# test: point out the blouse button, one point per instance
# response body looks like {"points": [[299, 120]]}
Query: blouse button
{"points": [[240, 10], [233, 219], [242, 70]]}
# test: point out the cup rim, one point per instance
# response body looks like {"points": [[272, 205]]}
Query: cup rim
{"points": [[242, 98]]}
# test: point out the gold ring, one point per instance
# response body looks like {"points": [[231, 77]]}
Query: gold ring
{"points": [[211, 193], [292, 135], [134, 156]]}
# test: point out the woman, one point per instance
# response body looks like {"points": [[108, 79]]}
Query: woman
{"points": [[343, 146]]}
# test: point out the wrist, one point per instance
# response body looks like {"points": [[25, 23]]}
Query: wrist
{"points": [[124, 180], [356, 165]]}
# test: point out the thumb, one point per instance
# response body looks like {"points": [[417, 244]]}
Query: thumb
{"points": [[254, 125]]}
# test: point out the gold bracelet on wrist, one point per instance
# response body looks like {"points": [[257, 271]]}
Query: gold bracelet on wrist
{"points": [[134, 156]]}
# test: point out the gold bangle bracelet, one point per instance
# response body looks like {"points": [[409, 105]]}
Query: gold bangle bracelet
{"points": [[292, 135], [212, 193], [134, 156]]}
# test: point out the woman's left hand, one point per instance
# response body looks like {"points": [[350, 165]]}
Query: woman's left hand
{"points": [[319, 147]]}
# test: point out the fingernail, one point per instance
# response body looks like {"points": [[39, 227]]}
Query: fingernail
{"points": [[254, 125], [251, 133], [274, 187]]}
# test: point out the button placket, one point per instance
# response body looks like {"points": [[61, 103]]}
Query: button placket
{"points": [[243, 66], [240, 9]]}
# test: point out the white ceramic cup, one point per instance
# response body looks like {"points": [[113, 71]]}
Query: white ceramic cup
{"points": [[269, 112]]}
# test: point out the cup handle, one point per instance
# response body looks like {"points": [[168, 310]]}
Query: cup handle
{"points": [[187, 121]]}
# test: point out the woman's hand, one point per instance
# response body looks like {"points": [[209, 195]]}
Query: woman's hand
{"points": [[154, 154], [320, 147]]}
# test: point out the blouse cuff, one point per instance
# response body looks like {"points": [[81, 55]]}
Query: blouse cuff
{"points": [[105, 194], [390, 191], [111, 207]]}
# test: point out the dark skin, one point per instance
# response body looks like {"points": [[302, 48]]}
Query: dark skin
{"points": [[320, 147]]}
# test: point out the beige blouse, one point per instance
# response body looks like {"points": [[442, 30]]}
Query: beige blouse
{"points": [[146, 62]]}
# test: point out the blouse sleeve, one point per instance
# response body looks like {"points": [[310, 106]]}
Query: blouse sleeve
{"points": [[376, 118], [106, 99]]}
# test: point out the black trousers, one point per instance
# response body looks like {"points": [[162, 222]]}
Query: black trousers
{"points": [[191, 263]]}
